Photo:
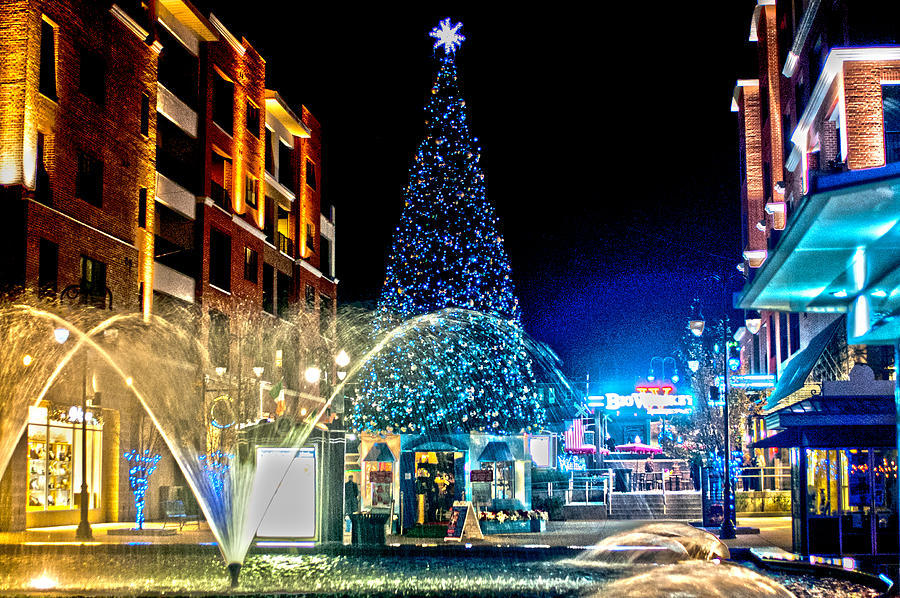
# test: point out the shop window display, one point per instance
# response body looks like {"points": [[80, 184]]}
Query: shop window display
{"points": [[54, 460]]}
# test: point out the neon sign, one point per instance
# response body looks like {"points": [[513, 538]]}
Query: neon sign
{"points": [[652, 403]]}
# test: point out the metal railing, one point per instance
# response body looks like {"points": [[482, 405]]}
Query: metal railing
{"points": [[763, 478]]}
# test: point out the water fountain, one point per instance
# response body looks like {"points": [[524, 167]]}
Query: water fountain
{"points": [[162, 363]]}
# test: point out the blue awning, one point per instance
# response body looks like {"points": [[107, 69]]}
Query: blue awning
{"points": [[380, 453], [496, 451], [798, 368], [826, 437]]}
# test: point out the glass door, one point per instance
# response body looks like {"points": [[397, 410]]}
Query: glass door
{"points": [[884, 485], [823, 504], [856, 493]]}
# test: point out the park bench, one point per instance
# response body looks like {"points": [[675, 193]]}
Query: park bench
{"points": [[174, 511]]}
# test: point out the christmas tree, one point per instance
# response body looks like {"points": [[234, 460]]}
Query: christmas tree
{"points": [[463, 366]]}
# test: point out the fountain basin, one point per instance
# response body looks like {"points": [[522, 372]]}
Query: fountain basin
{"points": [[458, 570]]}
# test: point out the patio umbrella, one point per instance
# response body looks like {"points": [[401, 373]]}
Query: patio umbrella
{"points": [[637, 447]]}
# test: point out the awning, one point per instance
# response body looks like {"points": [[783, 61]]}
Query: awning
{"points": [[381, 453], [839, 253], [495, 452], [833, 437], [798, 368], [437, 442]]}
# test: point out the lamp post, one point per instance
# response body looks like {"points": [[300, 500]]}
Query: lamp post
{"points": [[84, 526], [696, 326]]}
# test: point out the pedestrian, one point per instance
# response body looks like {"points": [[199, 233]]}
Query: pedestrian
{"points": [[351, 495]]}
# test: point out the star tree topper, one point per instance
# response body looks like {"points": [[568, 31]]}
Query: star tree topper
{"points": [[448, 36]]}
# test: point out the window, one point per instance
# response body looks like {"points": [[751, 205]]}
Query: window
{"points": [[48, 267], [325, 308], [251, 191], [220, 183], [253, 122], [325, 257], [283, 287], [223, 103], [285, 171], [268, 288], [93, 281], [178, 68], [310, 297], [142, 207], [310, 236], [890, 97], [251, 265], [794, 332], [219, 260], [47, 81], [270, 152], [89, 180], [783, 335], [42, 191], [219, 339], [92, 76], [311, 174], [145, 114]]}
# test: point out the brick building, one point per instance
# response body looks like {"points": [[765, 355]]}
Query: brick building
{"points": [[819, 169], [145, 167]]}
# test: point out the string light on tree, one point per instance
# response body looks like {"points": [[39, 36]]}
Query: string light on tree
{"points": [[467, 371], [142, 466]]}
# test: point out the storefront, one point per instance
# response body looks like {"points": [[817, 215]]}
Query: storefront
{"points": [[55, 463], [640, 416], [843, 467]]}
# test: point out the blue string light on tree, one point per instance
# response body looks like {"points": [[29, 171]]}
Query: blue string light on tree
{"points": [[467, 373], [216, 466], [142, 466]]}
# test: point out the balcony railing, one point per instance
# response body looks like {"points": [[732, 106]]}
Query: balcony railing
{"points": [[285, 244], [220, 195]]}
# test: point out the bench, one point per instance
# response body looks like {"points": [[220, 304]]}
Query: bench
{"points": [[174, 511]]}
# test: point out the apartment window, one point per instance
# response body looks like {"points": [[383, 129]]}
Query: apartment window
{"points": [[283, 288], [311, 174], [325, 257], [42, 191], [48, 267], [285, 172], [89, 180], [268, 288], [253, 121], [142, 207], [178, 68], [223, 103], [325, 308], [219, 260], [890, 98], [310, 297], [93, 281], [794, 332], [251, 265], [270, 152], [219, 339], [47, 81], [251, 190], [145, 114], [310, 236], [92, 76], [220, 183]]}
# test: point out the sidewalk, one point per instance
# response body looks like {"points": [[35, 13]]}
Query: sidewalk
{"points": [[773, 532]]}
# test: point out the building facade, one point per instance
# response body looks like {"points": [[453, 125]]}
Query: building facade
{"points": [[146, 167], [818, 171]]}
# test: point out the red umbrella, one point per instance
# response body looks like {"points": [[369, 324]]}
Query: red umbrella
{"points": [[637, 447]]}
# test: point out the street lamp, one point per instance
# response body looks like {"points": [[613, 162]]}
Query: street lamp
{"points": [[84, 526], [662, 369], [696, 326]]}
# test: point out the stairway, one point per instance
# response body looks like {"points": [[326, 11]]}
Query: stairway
{"points": [[685, 506]]}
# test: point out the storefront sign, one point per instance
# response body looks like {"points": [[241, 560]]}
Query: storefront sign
{"points": [[754, 381], [571, 462], [381, 477], [482, 475], [652, 403]]}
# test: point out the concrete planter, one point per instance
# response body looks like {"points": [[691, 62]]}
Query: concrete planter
{"points": [[507, 527]]}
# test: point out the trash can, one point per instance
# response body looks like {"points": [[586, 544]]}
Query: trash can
{"points": [[368, 528], [623, 480]]}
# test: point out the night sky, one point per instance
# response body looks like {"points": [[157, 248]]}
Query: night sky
{"points": [[608, 145]]}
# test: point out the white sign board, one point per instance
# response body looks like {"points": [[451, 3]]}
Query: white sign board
{"points": [[291, 513]]}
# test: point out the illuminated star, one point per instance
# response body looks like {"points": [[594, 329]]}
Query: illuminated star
{"points": [[448, 36]]}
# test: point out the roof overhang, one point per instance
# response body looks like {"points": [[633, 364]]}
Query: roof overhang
{"points": [[186, 13], [738, 89], [839, 253], [754, 20], [278, 108]]}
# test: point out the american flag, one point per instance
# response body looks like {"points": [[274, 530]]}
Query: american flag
{"points": [[574, 438]]}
